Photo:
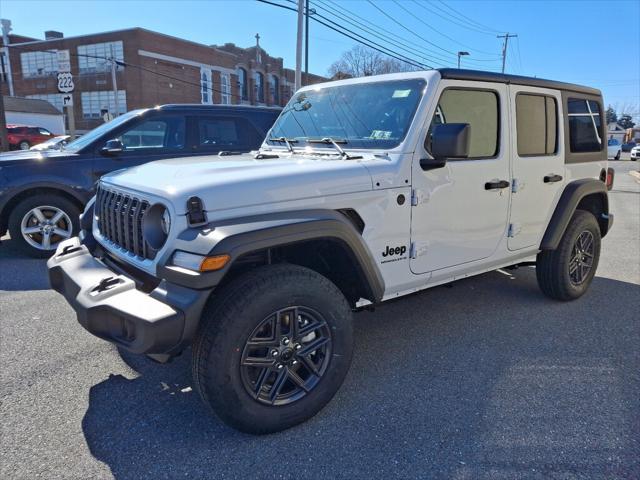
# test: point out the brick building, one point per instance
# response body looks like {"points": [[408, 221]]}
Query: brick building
{"points": [[152, 69]]}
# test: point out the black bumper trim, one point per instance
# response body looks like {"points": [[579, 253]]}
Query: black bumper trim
{"points": [[162, 321]]}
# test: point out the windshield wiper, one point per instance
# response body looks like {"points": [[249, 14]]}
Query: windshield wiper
{"points": [[334, 142], [287, 141]]}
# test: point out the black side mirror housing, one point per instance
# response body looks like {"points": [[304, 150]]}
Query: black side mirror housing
{"points": [[112, 147], [448, 140]]}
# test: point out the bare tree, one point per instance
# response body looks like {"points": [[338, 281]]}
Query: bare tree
{"points": [[361, 61]]}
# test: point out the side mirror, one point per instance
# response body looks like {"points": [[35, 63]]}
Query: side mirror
{"points": [[112, 147], [448, 140]]}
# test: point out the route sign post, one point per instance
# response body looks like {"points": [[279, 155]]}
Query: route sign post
{"points": [[66, 87]]}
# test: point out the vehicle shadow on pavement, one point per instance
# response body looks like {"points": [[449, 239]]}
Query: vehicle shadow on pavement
{"points": [[485, 379], [19, 271]]}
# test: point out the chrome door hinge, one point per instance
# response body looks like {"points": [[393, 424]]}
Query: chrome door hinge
{"points": [[418, 249], [418, 196], [516, 185], [514, 229]]}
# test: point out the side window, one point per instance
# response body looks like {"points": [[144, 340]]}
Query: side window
{"points": [[155, 133], [536, 124], [584, 125], [220, 133], [478, 108], [44, 131]]}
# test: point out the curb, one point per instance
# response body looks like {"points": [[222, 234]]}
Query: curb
{"points": [[635, 173]]}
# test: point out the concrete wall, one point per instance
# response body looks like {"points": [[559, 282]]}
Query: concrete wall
{"points": [[53, 123]]}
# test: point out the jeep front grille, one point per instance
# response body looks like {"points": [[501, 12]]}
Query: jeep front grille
{"points": [[120, 220]]}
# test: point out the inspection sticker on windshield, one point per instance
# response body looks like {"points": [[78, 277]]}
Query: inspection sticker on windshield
{"points": [[401, 93], [380, 135]]}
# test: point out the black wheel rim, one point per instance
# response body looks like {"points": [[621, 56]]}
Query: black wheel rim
{"points": [[582, 255], [286, 356]]}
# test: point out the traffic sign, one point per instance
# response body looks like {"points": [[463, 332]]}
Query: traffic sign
{"points": [[65, 82], [67, 100], [64, 61]]}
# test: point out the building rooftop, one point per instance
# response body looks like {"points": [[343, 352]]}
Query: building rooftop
{"points": [[29, 105]]}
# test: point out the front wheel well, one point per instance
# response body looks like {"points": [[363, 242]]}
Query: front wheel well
{"points": [[330, 257], [11, 204]]}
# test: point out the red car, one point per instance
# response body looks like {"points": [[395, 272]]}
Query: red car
{"points": [[23, 137]]}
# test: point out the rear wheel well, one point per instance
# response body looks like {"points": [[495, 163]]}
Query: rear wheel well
{"points": [[11, 204], [597, 205], [329, 257]]}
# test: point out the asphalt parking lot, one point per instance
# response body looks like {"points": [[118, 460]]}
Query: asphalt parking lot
{"points": [[485, 378]]}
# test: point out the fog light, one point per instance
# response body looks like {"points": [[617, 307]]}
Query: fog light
{"points": [[199, 263]]}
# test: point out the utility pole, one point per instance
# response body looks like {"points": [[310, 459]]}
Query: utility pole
{"points": [[6, 28], [306, 41], [504, 47], [114, 82], [4, 138], [298, 79]]}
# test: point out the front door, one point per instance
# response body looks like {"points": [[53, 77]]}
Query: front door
{"points": [[461, 210], [538, 163]]}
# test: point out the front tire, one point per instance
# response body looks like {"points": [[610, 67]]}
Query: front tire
{"points": [[566, 273], [273, 348], [24, 145], [38, 224], [617, 157]]}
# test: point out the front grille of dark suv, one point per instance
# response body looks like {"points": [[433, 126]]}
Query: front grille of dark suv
{"points": [[120, 220]]}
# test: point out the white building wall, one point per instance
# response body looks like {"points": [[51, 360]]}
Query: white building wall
{"points": [[53, 123]]}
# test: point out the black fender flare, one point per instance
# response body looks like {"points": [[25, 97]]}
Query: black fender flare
{"points": [[573, 193], [240, 236]]}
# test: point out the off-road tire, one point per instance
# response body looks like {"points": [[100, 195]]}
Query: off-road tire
{"points": [[552, 266], [20, 210], [229, 320]]}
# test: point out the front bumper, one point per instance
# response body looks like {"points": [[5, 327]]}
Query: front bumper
{"points": [[109, 305]]}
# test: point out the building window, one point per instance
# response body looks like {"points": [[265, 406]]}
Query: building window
{"points": [[95, 57], [275, 90], [536, 124], [94, 102], [584, 125], [38, 64], [54, 99], [259, 80], [225, 89], [205, 87], [242, 84]]}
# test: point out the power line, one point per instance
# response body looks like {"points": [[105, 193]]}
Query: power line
{"points": [[449, 18], [468, 19], [506, 37]]}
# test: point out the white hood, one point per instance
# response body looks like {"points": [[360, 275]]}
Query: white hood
{"points": [[240, 180]]}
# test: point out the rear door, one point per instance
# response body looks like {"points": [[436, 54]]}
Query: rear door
{"points": [[461, 210], [538, 163]]}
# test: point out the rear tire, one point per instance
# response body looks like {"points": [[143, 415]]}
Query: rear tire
{"points": [[566, 273], [259, 371], [39, 216]]}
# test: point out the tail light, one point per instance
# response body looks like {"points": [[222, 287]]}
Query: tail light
{"points": [[610, 176]]}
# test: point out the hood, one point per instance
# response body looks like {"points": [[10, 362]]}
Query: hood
{"points": [[241, 180], [10, 158]]}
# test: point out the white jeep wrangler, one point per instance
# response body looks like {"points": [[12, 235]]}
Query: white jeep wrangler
{"points": [[365, 190]]}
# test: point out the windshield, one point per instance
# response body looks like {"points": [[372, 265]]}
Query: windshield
{"points": [[90, 136], [365, 115]]}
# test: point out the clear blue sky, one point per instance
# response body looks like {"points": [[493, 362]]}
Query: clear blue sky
{"points": [[591, 42]]}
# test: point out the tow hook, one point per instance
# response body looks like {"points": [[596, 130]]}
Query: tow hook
{"points": [[106, 284]]}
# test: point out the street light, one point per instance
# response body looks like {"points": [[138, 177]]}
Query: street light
{"points": [[460, 54]]}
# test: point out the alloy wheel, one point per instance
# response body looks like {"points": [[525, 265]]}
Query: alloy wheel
{"points": [[44, 227], [286, 356], [582, 255]]}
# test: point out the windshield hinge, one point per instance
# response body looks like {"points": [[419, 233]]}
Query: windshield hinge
{"points": [[418, 197]]}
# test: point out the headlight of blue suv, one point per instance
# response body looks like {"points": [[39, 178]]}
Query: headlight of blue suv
{"points": [[155, 225]]}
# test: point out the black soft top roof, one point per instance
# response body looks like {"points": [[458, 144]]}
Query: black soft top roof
{"points": [[478, 75]]}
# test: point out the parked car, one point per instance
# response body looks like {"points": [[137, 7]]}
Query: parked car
{"points": [[22, 137], [43, 192], [613, 149], [626, 147], [635, 153], [55, 143], [365, 190]]}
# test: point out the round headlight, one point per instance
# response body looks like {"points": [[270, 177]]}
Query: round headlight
{"points": [[155, 225]]}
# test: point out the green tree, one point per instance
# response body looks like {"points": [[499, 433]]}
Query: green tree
{"points": [[611, 115], [625, 121]]}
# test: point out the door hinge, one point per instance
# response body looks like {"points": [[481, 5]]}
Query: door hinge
{"points": [[514, 229], [517, 185], [418, 249], [418, 196]]}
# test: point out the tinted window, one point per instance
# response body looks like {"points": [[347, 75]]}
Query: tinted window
{"points": [[584, 125], [155, 133], [44, 131], [479, 109], [612, 142], [536, 123], [234, 134]]}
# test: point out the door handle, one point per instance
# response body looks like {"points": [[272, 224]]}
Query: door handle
{"points": [[552, 178], [497, 185]]}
